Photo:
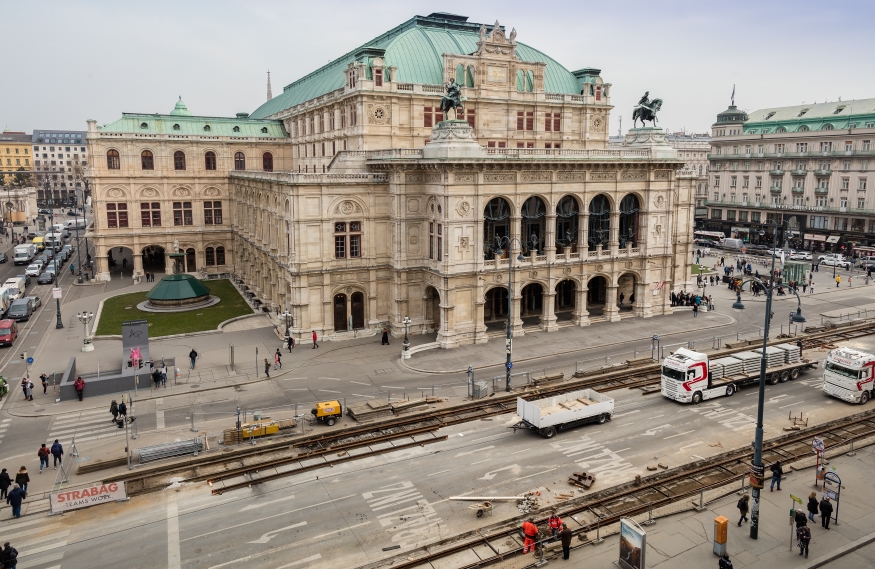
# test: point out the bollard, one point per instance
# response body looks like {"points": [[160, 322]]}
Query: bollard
{"points": [[192, 429], [650, 521], [598, 527], [701, 505], [852, 452], [607, 358], [636, 354], [231, 351]]}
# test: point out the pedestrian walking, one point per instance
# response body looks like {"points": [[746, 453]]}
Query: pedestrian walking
{"points": [[799, 345], [724, 562], [315, 345], [695, 310], [565, 539], [266, 368], [164, 375], [45, 380], [113, 408], [804, 286], [22, 479], [277, 359], [123, 410], [9, 555], [838, 280], [192, 356], [811, 288], [79, 385], [530, 531], [15, 498], [825, 511], [803, 537], [554, 522], [812, 506], [5, 483], [28, 390], [290, 343], [43, 454], [385, 340], [777, 473], [850, 280], [623, 296], [743, 508], [57, 453]]}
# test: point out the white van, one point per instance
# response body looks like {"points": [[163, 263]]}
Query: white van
{"points": [[73, 224], [734, 244], [54, 240], [16, 288]]}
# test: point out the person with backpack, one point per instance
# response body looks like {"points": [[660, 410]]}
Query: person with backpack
{"points": [[724, 562], [45, 379], [803, 537], [43, 454], [825, 512], [192, 356], [743, 508], [777, 473], [9, 555], [22, 479], [290, 343], [57, 453], [113, 409]]}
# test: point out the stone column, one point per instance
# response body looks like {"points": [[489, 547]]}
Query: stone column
{"points": [[583, 235], [614, 241], [102, 261], [479, 307], [548, 312], [550, 238], [515, 228], [580, 314], [612, 312], [138, 264]]}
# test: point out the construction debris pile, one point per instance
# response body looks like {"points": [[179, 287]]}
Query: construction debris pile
{"points": [[377, 409]]}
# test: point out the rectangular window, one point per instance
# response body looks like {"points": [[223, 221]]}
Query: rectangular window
{"points": [[733, 181], [866, 145], [861, 203], [378, 77], [339, 246], [845, 184], [864, 165], [826, 146], [716, 214], [525, 120], [116, 215], [730, 215], [745, 181], [742, 216], [182, 213], [432, 116], [496, 144], [849, 146], [779, 148], [353, 115], [323, 149], [431, 240], [553, 122], [150, 214], [846, 165], [755, 217], [801, 147], [340, 239], [862, 185], [213, 213]]}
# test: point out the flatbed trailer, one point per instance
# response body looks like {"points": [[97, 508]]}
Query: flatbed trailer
{"points": [[550, 415]]}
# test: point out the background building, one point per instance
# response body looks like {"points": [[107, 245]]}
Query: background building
{"points": [[62, 156], [15, 155], [353, 206], [809, 164]]}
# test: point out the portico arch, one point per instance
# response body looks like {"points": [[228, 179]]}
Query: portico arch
{"points": [[596, 295], [495, 308], [432, 309], [565, 300]]}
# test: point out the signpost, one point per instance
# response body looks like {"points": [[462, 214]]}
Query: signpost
{"points": [[633, 544], [796, 500], [818, 448]]}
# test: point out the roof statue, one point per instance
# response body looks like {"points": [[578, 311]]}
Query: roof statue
{"points": [[482, 32], [269, 93], [646, 110], [513, 35], [452, 100]]}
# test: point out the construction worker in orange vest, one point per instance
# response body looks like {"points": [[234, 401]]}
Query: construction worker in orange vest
{"points": [[530, 530], [555, 523]]}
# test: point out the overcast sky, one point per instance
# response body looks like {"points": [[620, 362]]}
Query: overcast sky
{"points": [[64, 62]]}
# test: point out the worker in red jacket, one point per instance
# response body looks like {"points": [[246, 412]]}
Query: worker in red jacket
{"points": [[530, 530], [555, 524]]}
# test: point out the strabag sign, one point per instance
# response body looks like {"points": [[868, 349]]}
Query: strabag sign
{"points": [[67, 500]]}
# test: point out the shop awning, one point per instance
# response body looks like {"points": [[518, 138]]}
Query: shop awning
{"points": [[833, 238]]}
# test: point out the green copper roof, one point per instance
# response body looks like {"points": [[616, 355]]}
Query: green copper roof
{"points": [[180, 109], [415, 48], [177, 287], [813, 116], [181, 122]]}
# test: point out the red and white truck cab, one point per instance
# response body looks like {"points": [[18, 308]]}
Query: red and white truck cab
{"points": [[849, 374], [685, 376]]}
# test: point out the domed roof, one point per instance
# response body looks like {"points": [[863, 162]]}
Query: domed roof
{"points": [[416, 48], [732, 114], [178, 287], [180, 109]]}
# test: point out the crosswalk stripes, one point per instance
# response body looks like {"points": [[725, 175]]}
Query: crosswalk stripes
{"points": [[4, 425], [95, 424], [39, 541]]}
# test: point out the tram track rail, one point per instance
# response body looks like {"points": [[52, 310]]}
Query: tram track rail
{"points": [[244, 462], [606, 507]]}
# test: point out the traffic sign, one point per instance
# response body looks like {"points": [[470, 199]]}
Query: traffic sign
{"points": [[509, 365], [796, 499], [29, 361], [817, 445], [56, 292]]}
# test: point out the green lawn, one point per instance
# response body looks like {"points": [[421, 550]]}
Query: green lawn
{"points": [[118, 309], [697, 270]]}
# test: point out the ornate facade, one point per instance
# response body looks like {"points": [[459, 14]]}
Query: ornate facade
{"points": [[379, 208]]}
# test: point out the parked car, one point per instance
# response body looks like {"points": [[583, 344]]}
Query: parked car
{"points": [[45, 211], [34, 269], [3, 257], [37, 301], [8, 332], [72, 212], [21, 309], [47, 277], [835, 262], [800, 255]]}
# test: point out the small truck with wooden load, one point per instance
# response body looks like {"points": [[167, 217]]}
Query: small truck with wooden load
{"points": [[550, 415]]}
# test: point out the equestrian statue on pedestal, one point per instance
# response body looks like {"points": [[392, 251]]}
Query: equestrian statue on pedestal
{"points": [[646, 110], [452, 100]]}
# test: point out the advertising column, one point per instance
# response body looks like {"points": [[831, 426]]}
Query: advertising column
{"points": [[633, 544]]}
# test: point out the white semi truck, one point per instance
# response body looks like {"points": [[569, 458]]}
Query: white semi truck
{"points": [[552, 414], [690, 377], [849, 374]]}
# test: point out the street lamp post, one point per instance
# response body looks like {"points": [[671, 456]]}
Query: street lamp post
{"points": [[508, 242], [757, 467], [85, 318], [59, 323], [405, 347], [288, 316]]}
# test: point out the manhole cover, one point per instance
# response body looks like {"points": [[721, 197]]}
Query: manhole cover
{"points": [[194, 385]]}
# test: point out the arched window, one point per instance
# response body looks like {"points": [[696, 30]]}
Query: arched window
{"points": [[112, 160], [210, 160], [210, 256], [469, 76], [496, 225], [803, 128], [147, 161], [530, 81], [520, 80], [599, 222], [264, 130], [206, 128], [179, 160], [629, 222], [780, 130], [176, 127], [827, 127], [236, 129], [267, 162], [239, 161], [460, 75], [144, 125], [567, 214], [532, 235]]}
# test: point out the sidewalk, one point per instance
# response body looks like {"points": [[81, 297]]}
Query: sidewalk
{"points": [[686, 539]]}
